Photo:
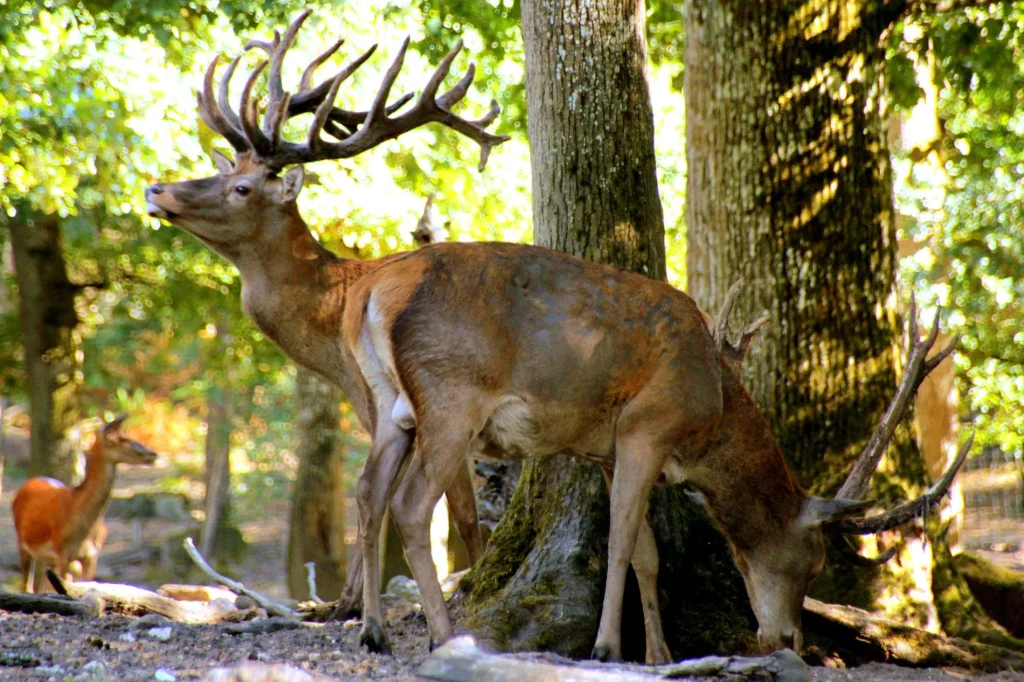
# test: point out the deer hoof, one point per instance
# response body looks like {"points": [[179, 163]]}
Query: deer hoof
{"points": [[603, 653], [373, 637]]}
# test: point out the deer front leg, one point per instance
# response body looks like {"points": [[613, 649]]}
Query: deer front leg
{"points": [[645, 565], [390, 447], [636, 469]]}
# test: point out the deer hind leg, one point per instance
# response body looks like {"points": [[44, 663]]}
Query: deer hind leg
{"points": [[638, 462], [27, 570], [374, 490], [439, 458], [462, 506], [645, 565]]}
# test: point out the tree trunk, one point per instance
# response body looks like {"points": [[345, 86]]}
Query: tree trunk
{"points": [[790, 187], [317, 528], [51, 341], [540, 583], [218, 470]]}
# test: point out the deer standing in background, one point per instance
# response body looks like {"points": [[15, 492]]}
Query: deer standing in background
{"points": [[564, 356], [62, 528], [292, 287]]}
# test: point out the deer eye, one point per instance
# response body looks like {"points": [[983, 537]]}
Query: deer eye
{"points": [[242, 190]]}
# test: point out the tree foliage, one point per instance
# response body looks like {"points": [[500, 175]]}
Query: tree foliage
{"points": [[970, 216]]}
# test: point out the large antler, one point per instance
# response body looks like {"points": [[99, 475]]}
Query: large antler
{"points": [[354, 131], [918, 366]]}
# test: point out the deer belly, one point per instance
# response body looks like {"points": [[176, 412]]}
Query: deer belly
{"points": [[510, 432]]}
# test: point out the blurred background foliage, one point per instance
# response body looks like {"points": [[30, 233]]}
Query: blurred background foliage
{"points": [[97, 101]]}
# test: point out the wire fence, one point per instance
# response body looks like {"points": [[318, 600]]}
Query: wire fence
{"points": [[993, 488]]}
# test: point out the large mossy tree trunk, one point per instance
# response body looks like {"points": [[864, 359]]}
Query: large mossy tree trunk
{"points": [[50, 339], [317, 527], [541, 581], [790, 187]]}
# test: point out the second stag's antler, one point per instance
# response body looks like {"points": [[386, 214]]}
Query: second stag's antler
{"points": [[353, 131], [918, 366]]}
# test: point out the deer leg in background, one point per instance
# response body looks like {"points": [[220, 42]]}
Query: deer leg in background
{"points": [[440, 457], [637, 466], [390, 448], [462, 506], [645, 565]]}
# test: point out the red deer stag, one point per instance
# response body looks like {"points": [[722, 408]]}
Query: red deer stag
{"points": [[292, 287], [62, 528], [561, 355]]}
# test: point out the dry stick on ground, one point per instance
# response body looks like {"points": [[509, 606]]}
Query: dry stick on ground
{"points": [[131, 600], [460, 660], [272, 607], [311, 581], [35, 603]]}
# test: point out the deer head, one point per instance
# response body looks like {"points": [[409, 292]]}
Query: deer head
{"points": [[120, 449], [248, 209], [780, 564]]}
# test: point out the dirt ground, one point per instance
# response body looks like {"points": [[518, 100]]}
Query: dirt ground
{"points": [[62, 649]]}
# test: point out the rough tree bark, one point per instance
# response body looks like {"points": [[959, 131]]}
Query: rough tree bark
{"points": [[790, 187], [540, 583], [217, 503], [317, 527], [51, 341]]}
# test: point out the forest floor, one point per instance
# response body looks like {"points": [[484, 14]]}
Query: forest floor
{"points": [[41, 647]]}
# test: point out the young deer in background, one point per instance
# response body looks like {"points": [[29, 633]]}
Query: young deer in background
{"points": [[62, 528], [292, 287]]}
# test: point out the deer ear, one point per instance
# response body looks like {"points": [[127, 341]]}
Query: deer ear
{"points": [[818, 511], [223, 163], [114, 425], [291, 184]]}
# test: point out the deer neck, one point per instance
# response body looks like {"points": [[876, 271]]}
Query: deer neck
{"points": [[295, 292], [90, 499], [749, 489]]}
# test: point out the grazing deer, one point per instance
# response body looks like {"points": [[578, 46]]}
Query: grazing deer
{"points": [[292, 287], [564, 356], [62, 528]]}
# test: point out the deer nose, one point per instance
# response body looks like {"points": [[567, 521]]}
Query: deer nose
{"points": [[154, 189]]}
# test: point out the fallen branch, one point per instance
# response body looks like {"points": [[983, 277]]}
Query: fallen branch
{"points": [[461, 660], [38, 603], [131, 600], [271, 607], [857, 637], [262, 626], [311, 581]]}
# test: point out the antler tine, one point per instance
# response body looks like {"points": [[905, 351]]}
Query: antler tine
{"points": [[441, 72], [856, 484], [459, 90], [214, 117], [274, 121], [909, 510], [223, 94], [306, 82], [322, 112], [249, 114], [721, 330], [377, 108], [492, 113], [309, 100]]}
